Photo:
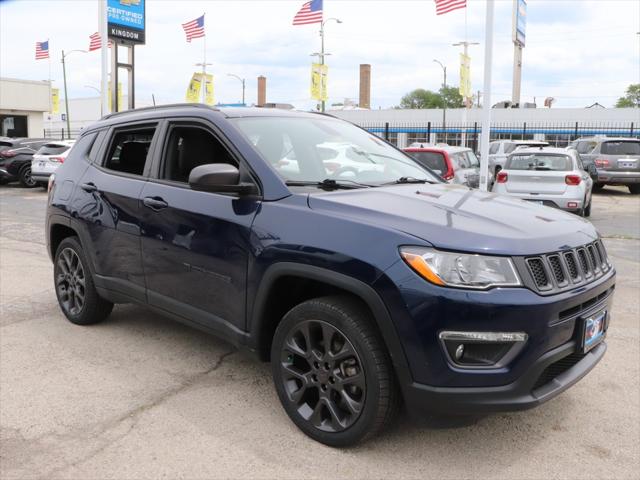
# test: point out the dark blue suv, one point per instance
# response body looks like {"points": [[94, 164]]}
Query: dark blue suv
{"points": [[365, 280]]}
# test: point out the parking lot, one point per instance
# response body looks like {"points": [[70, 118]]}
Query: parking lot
{"points": [[139, 396]]}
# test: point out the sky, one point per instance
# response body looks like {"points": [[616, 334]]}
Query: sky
{"points": [[577, 51]]}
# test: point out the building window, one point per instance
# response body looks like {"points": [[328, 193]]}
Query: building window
{"points": [[13, 126]]}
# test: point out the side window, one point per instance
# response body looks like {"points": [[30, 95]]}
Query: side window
{"points": [[494, 148], [129, 149], [509, 147], [82, 147], [188, 147]]}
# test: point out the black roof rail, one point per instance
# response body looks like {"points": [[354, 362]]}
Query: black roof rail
{"points": [[158, 107]]}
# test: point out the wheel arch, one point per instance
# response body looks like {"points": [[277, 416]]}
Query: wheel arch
{"points": [[265, 315]]}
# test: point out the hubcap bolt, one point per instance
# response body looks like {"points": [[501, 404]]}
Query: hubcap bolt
{"points": [[316, 365], [323, 387], [332, 380], [326, 366]]}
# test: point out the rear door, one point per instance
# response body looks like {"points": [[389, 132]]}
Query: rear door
{"points": [[542, 174], [107, 202], [196, 244]]}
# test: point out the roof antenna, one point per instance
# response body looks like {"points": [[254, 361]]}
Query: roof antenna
{"points": [[154, 99]]}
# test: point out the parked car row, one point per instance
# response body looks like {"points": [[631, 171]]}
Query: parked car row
{"points": [[31, 161]]}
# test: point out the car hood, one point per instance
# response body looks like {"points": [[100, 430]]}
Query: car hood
{"points": [[458, 218]]}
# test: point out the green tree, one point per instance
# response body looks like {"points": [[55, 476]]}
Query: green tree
{"points": [[631, 97], [421, 98]]}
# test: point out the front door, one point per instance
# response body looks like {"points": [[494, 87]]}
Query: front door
{"points": [[195, 245]]}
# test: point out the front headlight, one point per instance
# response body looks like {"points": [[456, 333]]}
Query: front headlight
{"points": [[462, 270]]}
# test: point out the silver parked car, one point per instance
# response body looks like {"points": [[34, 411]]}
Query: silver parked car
{"points": [[549, 176], [48, 158], [499, 150], [616, 161]]}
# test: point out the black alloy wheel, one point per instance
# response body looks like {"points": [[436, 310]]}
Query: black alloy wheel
{"points": [[332, 371], [70, 282], [25, 177], [74, 286], [322, 376]]}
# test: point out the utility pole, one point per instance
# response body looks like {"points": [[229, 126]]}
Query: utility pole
{"points": [[444, 100], [519, 18], [486, 107], [468, 102], [104, 58], [322, 54]]}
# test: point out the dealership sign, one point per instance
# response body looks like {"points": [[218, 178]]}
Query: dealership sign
{"points": [[126, 20], [520, 22]]}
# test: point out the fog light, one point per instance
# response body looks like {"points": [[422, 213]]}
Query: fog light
{"points": [[481, 349], [572, 204]]}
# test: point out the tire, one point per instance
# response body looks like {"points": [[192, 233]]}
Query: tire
{"points": [[354, 379], [26, 180], [76, 293], [597, 187], [634, 189], [586, 212]]}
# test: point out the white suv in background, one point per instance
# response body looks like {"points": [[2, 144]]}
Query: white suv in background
{"points": [[48, 158], [500, 149]]}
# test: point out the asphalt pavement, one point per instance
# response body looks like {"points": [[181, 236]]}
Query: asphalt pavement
{"points": [[139, 396]]}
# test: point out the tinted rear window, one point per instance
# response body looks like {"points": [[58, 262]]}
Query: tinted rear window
{"points": [[433, 160], [52, 149], [539, 162], [620, 148]]}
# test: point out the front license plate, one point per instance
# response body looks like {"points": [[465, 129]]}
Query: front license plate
{"points": [[631, 164], [594, 328]]}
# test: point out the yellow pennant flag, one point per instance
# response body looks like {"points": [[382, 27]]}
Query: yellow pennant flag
{"points": [[465, 76], [208, 89], [119, 95], [193, 91], [55, 100], [319, 75]]}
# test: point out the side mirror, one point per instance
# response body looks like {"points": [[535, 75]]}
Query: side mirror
{"points": [[219, 177]]}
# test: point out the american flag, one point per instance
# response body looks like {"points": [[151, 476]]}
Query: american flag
{"points": [[446, 6], [95, 42], [42, 50], [194, 28], [311, 12]]}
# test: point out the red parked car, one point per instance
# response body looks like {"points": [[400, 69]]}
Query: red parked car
{"points": [[454, 164]]}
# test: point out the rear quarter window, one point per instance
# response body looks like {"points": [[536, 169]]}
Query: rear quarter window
{"points": [[81, 148], [620, 148]]}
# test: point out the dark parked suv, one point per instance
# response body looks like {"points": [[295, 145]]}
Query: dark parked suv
{"points": [[366, 288]]}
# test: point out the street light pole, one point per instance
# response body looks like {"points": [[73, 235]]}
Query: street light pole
{"points": [[99, 93], [444, 100], [322, 54], [242, 80], [66, 97]]}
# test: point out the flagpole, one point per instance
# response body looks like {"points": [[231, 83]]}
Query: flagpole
{"points": [[204, 66], [50, 108], [486, 107], [104, 53]]}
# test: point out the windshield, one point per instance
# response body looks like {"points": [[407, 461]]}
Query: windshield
{"points": [[620, 148], [539, 162], [304, 149]]}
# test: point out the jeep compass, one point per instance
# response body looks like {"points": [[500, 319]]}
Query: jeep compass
{"points": [[367, 282]]}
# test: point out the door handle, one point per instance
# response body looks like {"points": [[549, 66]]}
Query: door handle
{"points": [[89, 187], [155, 203]]}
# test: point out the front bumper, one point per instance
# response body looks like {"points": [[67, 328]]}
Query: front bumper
{"points": [[555, 201], [530, 390], [553, 324]]}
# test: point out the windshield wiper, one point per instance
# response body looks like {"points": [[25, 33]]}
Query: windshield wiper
{"points": [[328, 184], [406, 180]]}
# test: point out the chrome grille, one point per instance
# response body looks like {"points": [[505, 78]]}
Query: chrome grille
{"points": [[562, 270]]}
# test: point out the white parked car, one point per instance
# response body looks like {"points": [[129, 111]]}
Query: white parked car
{"points": [[48, 158], [499, 150], [553, 177]]}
